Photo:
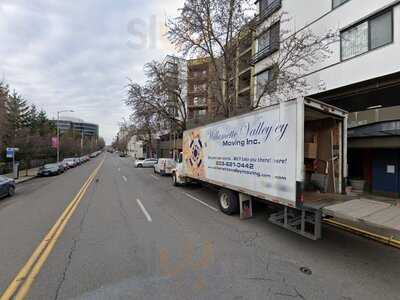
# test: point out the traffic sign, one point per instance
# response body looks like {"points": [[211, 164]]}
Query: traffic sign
{"points": [[10, 152]]}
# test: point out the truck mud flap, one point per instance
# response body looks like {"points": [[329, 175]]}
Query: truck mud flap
{"points": [[301, 221]]}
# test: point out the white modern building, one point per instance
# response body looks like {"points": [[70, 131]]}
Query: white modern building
{"points": [[361, 75], [77, 126]]}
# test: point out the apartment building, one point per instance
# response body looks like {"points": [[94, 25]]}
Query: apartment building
{"points": [[244, 75], [170, 139], [176, 78], [202, 106], [135, 147], [200, 103], [362, 75]]}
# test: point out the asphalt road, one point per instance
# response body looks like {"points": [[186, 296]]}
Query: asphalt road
{"points": [[135, 236]]}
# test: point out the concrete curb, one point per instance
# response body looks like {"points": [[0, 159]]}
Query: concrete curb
{"points": [[364, 233], [25, 180]]}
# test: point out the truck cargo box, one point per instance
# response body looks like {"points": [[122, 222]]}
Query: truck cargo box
{"points": [[272, 153]]}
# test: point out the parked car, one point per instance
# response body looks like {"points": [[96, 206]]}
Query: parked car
{"points": [[49, 170], [164, 166], [7, 186], [65, 165], [71, 162], [62, 167], [94, 154], [145, 163], [123, 154]]}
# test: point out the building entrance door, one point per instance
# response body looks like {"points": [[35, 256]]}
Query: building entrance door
{"points": [[386, 170]]}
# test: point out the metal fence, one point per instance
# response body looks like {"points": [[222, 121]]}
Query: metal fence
{"points": [[6, 167]]}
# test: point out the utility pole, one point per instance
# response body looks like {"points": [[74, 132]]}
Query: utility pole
{"points": [[82, 142]]}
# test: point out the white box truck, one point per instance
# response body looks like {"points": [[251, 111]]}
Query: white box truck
{"points": [[292, 154]]}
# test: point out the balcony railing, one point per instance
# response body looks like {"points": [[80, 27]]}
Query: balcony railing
{"points": [[198, 103], [269, 10], [264, 52]]}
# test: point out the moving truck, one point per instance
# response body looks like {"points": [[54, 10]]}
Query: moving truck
{"points": [[291, 155]]}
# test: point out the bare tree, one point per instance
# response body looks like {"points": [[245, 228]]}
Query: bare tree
{"points": [[160, 101], [168, 86], [209, 29], [297, 54], [145, 120]]}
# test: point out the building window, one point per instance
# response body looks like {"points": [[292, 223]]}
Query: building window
{"points": [[199, 73], [199, 100], [200, 87], [381, 30], [267, 43], [355, 41], [268, 7], [270, 38], [199, 113], [368, 35], [264, 83], [264, 40], [337, 3], [264, 4]]}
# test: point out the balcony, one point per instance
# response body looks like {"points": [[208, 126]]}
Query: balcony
{"points": [[198, 102], [264, 52], [269, 10]]}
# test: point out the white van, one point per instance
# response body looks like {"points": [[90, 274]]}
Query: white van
{"points": [[164, 166]]}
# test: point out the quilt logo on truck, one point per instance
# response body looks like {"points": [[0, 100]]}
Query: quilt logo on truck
{"points": [[194, 153]]}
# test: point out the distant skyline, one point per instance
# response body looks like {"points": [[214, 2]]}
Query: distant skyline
{"points": [[78, 55]]}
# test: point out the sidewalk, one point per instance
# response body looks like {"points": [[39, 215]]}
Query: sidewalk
{"points": [[392, 201], [23, 176], [371, 213]]}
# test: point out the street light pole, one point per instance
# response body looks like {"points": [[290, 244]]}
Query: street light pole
{"points": [[58, 137], [58, 132]]}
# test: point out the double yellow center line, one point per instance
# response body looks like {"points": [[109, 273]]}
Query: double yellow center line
{"points": [[21, 284]]}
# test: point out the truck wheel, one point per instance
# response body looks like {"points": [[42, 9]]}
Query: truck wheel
{"points": [[228, 202]]}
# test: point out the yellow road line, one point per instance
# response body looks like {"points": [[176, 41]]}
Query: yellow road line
{"points": [[376, 237], [29, 271]]}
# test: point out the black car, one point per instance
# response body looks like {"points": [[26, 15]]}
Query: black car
{"points": [[7, 186], [49, 170]]}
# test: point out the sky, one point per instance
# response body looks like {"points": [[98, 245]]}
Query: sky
{"points": [[78, 54]]}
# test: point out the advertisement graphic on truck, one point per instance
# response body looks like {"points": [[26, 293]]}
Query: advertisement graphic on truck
{"points": [[254, 152]]}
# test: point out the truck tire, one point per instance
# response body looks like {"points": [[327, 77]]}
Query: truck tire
{"points": [[228, 202]]}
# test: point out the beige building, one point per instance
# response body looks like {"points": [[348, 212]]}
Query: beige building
{"points": [[200, 103], [202, 106]]}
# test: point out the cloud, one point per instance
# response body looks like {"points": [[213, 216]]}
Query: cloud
{"points": [[78, 54]]}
